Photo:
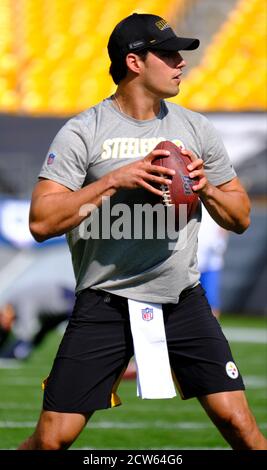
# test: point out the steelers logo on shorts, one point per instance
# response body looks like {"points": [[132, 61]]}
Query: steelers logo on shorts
{"points": [[231, 370]]}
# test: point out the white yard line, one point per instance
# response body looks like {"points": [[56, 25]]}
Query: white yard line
{"points": [[20, 381], [10, 364], [116, 425], [253, 381], [19, 406], [123, 425], [246, 335]]}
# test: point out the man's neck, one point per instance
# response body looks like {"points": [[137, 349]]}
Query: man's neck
{"points": [[135, 103]]}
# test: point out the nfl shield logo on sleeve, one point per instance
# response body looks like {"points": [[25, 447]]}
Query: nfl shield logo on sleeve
{"points": [[50, 159], [147, 313]]}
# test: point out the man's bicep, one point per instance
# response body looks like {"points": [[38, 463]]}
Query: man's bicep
{"points": [[47, 206], [233, 185], [45, 186]]}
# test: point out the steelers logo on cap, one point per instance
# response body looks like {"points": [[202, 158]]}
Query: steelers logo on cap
{"points": [[231, 370]]}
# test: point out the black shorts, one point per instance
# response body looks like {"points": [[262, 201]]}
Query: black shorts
{"points": [[97, 347]]}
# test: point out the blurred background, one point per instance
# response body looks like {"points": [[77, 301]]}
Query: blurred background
{"points": [[54, 64]]}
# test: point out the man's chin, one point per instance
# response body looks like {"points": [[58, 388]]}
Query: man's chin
{"points": [[171, 94]]}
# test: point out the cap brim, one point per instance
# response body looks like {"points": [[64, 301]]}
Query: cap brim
{"points": [[177, 44]]}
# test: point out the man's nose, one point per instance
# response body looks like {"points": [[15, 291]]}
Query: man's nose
{"points": [[180, 62]]}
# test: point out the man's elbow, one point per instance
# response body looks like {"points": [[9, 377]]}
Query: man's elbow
{"points": [[39, 231], [242, 225], [243, 216]]}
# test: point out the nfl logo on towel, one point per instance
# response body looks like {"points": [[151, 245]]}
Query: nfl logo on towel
{"points": [[147, 313]]}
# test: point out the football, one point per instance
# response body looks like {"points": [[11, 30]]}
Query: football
{"points": [[180, 191]]}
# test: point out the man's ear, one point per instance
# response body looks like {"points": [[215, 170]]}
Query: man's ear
{"points": [[133, 62]]}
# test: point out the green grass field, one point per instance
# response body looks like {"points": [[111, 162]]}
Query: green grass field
{"points": [[148, 424]]}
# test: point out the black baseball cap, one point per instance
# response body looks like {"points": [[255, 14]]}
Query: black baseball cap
{"points": [[141, 31]]}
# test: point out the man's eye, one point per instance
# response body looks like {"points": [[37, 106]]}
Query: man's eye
{"points": [[166, 54]]}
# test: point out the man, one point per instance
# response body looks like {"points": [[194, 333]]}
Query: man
{"points": [[38, 308], [105, 155], [7, 318]]}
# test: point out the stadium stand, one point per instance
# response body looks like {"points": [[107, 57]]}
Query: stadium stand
{"points": [[232, 73], [54, 60], [53, 52]]}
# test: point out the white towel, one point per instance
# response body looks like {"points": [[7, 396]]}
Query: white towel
{"points": [[154, 379]]}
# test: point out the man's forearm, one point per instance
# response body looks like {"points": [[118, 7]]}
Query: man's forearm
{"points": [[53, 214], [230, 209]]}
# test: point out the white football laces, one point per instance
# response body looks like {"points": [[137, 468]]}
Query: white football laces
{"points": [[166, 196]]}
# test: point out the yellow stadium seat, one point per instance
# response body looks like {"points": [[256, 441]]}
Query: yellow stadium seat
{"points": [[53, 56], [236, 51]]}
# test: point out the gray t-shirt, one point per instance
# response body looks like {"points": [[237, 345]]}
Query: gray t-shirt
{"points": [[135, 264]]}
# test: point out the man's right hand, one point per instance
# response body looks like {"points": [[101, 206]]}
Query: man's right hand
{"points": [[142, 174]]}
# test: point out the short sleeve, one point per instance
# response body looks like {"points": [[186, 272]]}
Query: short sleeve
{"points": [[66, 162], [217, 164]]}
